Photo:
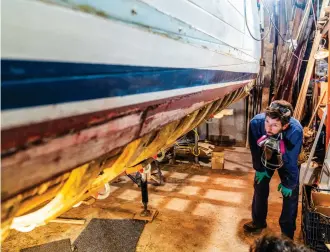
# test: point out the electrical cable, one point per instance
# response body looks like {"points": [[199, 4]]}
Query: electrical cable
{"points": [[280, 35], [273, 24], [248, 28], [196, 133], [270, 15], [193, 151], [192, 148]]}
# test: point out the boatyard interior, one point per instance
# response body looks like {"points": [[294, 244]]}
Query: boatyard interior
{"points": [[143, 125]]}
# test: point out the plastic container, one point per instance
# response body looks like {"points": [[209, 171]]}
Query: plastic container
{"points": [[315, 226]]}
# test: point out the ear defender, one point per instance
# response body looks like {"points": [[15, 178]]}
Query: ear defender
{"points": [[261, 141], [282, 146]]}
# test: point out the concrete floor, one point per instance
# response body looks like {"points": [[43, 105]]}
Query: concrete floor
{"points": [[199, 210]]}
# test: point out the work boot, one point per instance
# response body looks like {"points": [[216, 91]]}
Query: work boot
{"points": [[252, 227]]}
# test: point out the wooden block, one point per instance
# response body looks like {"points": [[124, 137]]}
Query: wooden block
{"points": [[218, 160], [323, 88], [218, 154], [150, 218]]}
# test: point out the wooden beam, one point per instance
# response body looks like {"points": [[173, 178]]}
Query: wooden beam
{"points": [[298, 112], [316, 109], [69, 221], [328, 103], [321, 111], [325, 28]]}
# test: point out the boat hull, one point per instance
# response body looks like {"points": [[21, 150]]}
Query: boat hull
{"points": [[67, 189], [60, 154], [93, 91]]}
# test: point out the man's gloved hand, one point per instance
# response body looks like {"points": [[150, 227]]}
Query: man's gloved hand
{"points": [[285, 191], [260, 176]]}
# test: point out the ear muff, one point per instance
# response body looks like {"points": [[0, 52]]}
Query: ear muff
{"points": [[282, 147], [262, 140]]}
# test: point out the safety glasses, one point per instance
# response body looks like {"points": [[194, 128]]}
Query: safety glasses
{"points": [[282, 109]]}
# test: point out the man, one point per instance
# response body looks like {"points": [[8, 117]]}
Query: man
{"points": [[275, 140]]}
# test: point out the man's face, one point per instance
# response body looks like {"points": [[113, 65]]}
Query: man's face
{"points": [[273, 126]]}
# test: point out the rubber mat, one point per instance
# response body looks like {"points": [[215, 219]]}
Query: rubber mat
{"points": [[56, 246], [104, 235]]}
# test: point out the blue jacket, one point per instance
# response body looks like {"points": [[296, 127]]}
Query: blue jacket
{"points": [[292, 136]]}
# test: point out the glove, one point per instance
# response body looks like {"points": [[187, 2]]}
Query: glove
{"points": [[260, 176], [286, 192]]}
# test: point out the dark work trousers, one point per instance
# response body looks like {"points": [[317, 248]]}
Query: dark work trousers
{"points": [[289, 208]]}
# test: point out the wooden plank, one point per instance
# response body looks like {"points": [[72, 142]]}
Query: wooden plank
{"points": [[309, 70], [298, 112], [328, 104], [320, 111], [316, 109], [299, 13], [325, 28], [40, 163], [69, 221], [323, 88]]}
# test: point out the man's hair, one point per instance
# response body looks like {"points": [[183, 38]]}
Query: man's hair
{"points": [[271, 243], [280, 109]]}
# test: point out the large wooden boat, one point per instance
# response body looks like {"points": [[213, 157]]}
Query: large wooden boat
{"points": [[94, 89]]}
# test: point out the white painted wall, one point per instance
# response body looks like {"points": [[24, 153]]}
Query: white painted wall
{"points": [[233, 126]]}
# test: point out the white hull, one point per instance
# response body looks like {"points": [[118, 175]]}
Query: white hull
{"points": [[195, 34]]}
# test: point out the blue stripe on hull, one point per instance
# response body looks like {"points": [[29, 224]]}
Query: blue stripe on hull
{"points": [[34, 83]]}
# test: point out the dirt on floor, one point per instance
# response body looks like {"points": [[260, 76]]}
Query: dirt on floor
{"points": [[200, 209]]}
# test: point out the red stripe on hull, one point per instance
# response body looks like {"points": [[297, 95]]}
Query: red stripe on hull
{"points": [[39, 163], [21, 136]]}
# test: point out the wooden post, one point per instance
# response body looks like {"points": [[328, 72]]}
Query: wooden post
{"points": [[196, 147], [328, 103]]}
